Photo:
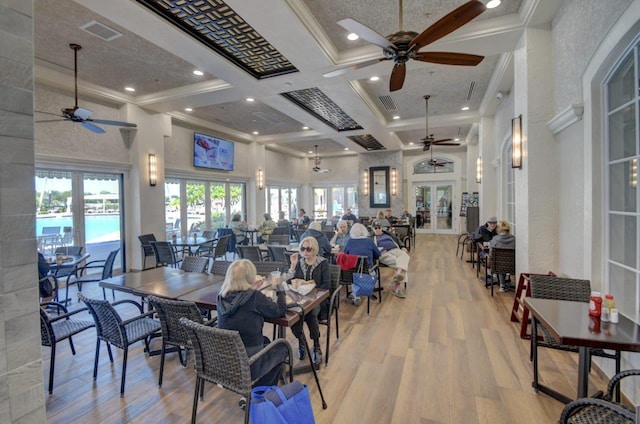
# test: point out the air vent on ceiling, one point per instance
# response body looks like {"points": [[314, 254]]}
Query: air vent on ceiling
{"points": [[268, 118], [388, 103], [471, 87], [101, 31]]}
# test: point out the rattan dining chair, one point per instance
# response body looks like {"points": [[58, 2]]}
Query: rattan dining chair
{"points": [[147, 250], [195, 264], [221, 359], [334, 305], [113, 330], [267, 267], [503, 261], [346, 278], [601, 410], [220, 267], [54, 329], [166, 254], [219, 250], [281, 239], [173, 332], [249, 252], [106, 267], [549, 287], [277, 253]]}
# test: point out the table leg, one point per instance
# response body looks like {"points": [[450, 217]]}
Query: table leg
{"points": [[583, 371]]}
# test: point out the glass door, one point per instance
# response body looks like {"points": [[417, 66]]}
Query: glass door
{"points": [[434, 207], [320, 203]]}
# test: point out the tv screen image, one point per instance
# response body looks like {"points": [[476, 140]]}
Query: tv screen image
{"points": [[212, 152]]}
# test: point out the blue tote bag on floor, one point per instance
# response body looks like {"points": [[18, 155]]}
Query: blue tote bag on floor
{"points": [[289, 404]]}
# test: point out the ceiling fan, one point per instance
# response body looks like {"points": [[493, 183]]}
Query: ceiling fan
{"points": [[78, 114], [435, 163], [429, 140], [404, 45], [316, 164]]}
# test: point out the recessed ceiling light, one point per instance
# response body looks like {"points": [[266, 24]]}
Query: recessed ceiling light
{"points": [[456, 139], [131, 89], [310, 151], [493, 3], [411, 143], [188, 109], [198, 72], [346, 148], [374, 78], [396, 117], [256, 133], [353, 36], [305, 128], [250, 99], [465, 107]]}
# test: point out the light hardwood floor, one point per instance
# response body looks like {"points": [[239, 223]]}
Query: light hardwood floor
{"points": [[446, 354]]}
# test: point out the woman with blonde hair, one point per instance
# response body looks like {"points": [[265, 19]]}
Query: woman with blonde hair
{"points": [[243, 309]]}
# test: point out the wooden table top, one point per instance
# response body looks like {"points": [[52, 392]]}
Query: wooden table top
{"points": [[570, 323]]}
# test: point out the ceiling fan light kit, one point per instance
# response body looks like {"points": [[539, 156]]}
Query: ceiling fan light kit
{"points": [[402, 46], [316, 164], [429, 140]]}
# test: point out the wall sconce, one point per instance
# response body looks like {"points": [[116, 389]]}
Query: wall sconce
{"points": [[153, 170], [365, 183], [633, 174], [479, 169], [260, 179], [394, 182], [516, 142]]}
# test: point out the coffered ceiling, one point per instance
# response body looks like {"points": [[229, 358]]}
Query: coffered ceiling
{"points": [[289, 45]]}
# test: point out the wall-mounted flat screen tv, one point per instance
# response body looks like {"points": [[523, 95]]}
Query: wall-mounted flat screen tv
{"points": [[212, 152]]}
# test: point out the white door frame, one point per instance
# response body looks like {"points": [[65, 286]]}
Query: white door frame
{"points": [[434, 208]]}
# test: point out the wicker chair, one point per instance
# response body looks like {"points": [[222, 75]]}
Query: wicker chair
{"points": [[549, 287], [277, 253], [58, 328], [147, 250], [281, 230], [219, 250], [107, 272], [281, 239], [346, 278], [267, 267], [334, 304], [173, 333], [220, 267], [111, 329], [249, 252], [166, 254], [195, 264], [503, 261], [603, 410], [221, 359]]}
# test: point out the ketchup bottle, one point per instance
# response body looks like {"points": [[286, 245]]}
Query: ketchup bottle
{"points": [[595, 304]]}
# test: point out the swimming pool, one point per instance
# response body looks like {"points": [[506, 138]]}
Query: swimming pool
{"points": [[98, 227]]}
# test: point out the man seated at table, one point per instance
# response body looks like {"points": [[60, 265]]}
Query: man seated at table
{"points": [[406, 215], [394, 254], [315, 231], [388, 214], [348, 216], [239, 228]]}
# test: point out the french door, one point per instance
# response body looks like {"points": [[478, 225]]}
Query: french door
{"points": [[434, 207]]}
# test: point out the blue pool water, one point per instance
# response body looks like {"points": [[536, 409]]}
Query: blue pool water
{"points": [[99, 227]]}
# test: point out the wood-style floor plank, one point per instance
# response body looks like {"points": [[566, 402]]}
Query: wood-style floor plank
{"points": [[446, 354]]}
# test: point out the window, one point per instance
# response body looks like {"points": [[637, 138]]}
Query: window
{"points": [[433, 165], [622, 154], [510, 187], [282, 199]]}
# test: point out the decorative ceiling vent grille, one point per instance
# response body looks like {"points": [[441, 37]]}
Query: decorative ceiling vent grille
{"points": [[388, 103], [472, 87], [219, 27], [314, 101], [101, 31], [367, 141]]}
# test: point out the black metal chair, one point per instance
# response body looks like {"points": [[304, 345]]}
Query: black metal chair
{"points": [[549, 287], [221, 359], [218, 250], [249, 252], [165, 253], [54, 329], [106, 265], [195, 264], [281, 230], [277, 253], [346, 278], [503, 261], [267, 267], [173, 333], [281, 239], [334, 305], [111, 329], [601, 410], [220, 267], [147, 250], [62, 272]]}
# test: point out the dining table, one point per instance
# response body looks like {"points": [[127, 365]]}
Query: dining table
{"points": [[67, 266], [191, 244], [570, 324]]}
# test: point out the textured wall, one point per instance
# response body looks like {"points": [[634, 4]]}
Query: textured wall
{"points": [[384, 158], [21, 386]]}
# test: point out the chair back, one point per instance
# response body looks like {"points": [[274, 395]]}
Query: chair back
{"points": [[503, 261], [221, 357], [335, 276], [47, 336], [50, 231], [70, 250], [169, 312], [281, 239], [299, 232], [249, 252], [277, 253], [346, 275], [266, 268], [165, 255], [547, 287], [108, 321], [145, 239], [231, 242], [402, 231], [209, 234], [220, 249], [67, 235], [328, 234], [195, 264], [279, 231], [220, 267], [107, 270]]}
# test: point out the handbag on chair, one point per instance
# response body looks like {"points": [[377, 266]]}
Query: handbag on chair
{"points": [[364, 283], [289, 404]]}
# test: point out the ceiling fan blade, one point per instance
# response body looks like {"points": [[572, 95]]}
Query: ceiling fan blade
{"points": [[438, 164], [354, 67], [91, 127], [449, 58], [397, 76], [49, 113], [117, 123], [426, 147], [367, 34], [449, 23], [446, 144]]}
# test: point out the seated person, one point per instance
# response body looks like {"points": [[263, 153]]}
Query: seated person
{"points": [[243, 309], [303, 219], [46, 290], [486, 232], [315, 231], [360, 244], [341, 236], [503, 240], [307, 265], [239, 228], [394, 254], [282, 222], [406, 215], [388, 214], [382, 221], [348, 216], [266, 228]]}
